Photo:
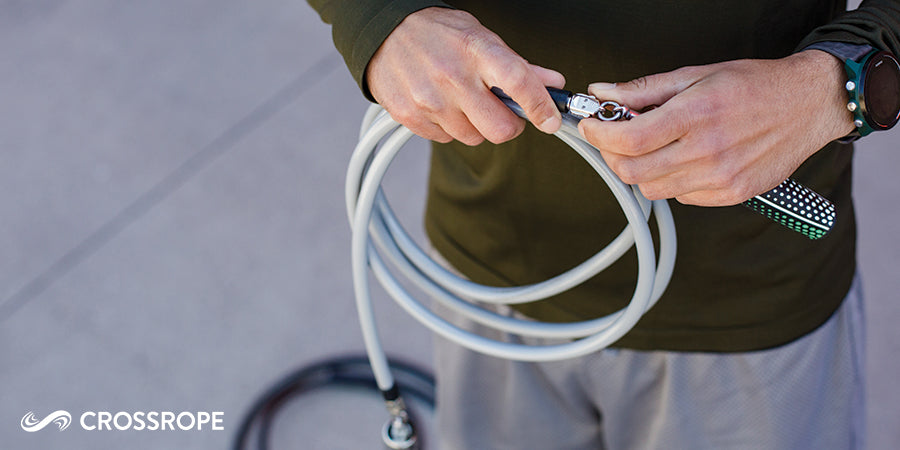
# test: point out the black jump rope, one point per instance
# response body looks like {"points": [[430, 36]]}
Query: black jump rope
{"points": [[353, 372]]}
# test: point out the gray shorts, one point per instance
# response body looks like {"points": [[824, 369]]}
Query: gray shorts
{"points": [[807, 394]]}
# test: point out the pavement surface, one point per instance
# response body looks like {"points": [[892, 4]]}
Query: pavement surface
{"points": [[173, 235]]}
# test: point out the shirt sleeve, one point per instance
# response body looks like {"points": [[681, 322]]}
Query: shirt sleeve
{"points": [[875, 23], [359, 27]]}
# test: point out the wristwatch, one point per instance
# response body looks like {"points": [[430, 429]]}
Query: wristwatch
{"points": [[873, 85]]}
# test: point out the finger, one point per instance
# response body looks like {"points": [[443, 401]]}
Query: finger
{"points": [[549, 77], [430, 131], [645, 133], [708, 198], [456, 124], [675, 185], [662, 163], [515, 77], [671, 186], [648, 90], [422, 124], [702, 185], [491, 117]]}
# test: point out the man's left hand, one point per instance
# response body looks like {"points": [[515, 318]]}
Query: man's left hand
{"points": [[722, 132]]}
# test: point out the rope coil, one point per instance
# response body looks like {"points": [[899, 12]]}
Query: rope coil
{"points": [[379, 241]]}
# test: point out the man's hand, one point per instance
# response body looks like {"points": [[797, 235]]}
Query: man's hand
{"points": [[434, 72], [723, 132]]}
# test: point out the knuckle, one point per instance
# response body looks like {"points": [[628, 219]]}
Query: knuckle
{"points": [[475, 43], [709, 108], [447, 75], [725, 179], [688, 124], [406, 117], [714, 147], [504, 131], [652, 191], [427, 101], [742, 190], [518, 79], [471, 139], [426, 131], [689, 199], [639, 83], [628, 142], [730, 197], [515, 79], [442, 138], [518, 75], [431, 132], [627, 171]]}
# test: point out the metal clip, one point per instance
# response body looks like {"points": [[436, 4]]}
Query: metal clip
{"points": [[583, 105]]}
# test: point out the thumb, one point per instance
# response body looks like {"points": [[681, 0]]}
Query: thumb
{"points": [[650, 90]]}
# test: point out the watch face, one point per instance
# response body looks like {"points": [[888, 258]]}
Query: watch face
{"points": [[881, 86]]}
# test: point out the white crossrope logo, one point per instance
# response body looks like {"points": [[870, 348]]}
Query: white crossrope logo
{"points": [[31, 424]]}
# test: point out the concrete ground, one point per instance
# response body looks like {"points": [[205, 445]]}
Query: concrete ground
{"points": [[173, 235]]}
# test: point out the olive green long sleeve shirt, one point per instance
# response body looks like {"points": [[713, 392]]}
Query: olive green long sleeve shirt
{"points": [[529, 209]]}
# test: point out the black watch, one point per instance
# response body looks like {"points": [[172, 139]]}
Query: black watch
{"points": [[873, 83]]}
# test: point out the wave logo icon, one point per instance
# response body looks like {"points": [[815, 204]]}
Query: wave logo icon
{"points": [[61, 418]]}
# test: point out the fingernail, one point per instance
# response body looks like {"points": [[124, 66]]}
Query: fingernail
{"points": [[551, 124], [601, 86]]}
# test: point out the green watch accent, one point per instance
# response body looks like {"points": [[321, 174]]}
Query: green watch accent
{"points": [[854, 71]]}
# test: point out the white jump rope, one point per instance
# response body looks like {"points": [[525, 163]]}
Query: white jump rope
{"points": [[379, 240]]}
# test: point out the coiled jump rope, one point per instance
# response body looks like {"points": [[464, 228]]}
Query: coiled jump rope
{"points": [[380, 242]]}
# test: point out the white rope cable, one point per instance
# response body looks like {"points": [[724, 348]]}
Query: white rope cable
{"points": [[379, 241]]}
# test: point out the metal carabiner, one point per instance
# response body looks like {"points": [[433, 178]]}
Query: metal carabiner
{"points": [[610, 111]]}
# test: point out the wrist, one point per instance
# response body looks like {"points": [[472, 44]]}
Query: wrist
{"points": [[825, 73]]}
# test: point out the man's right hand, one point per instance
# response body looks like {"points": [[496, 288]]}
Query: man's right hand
{"points": [[434, 72]]}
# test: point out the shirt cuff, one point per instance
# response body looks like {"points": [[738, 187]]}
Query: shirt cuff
{"points": [[842, 50]]}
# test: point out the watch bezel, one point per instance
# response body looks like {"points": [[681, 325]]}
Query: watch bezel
{"points": [[868, 66]]}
